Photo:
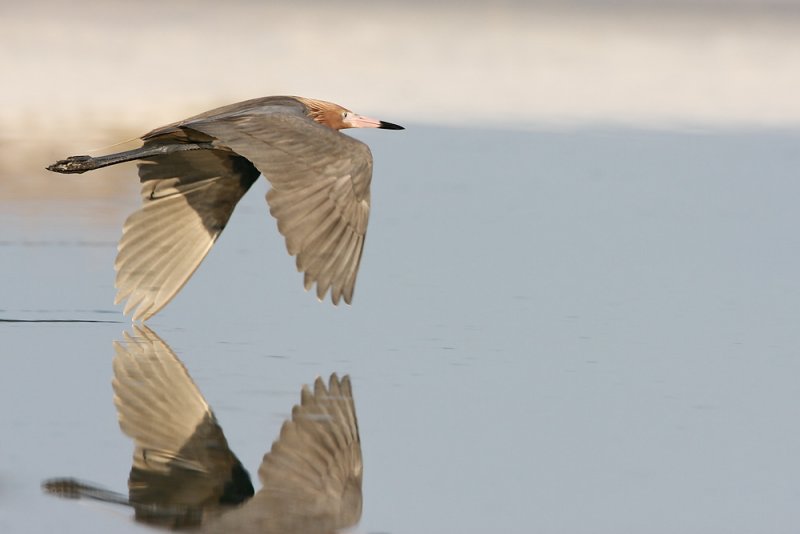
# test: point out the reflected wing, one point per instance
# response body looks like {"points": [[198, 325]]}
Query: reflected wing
{"points": [[188, 198], [181, 459], [320, 191], [312, 475], [317, 458]]}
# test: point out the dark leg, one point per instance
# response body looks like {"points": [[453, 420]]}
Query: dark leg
{"points": [[79, 164], [69, 488]]}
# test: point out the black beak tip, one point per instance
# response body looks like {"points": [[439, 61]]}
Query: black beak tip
{"points": [[390, 126]]}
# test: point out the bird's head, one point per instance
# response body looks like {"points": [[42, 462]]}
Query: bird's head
{"points": [[336, 117]]}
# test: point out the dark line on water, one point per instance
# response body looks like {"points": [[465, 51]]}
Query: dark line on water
{"points": [[56, 321], [32, 243]]}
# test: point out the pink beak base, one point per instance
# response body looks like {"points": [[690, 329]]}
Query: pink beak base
{"points": [[359, 121]]}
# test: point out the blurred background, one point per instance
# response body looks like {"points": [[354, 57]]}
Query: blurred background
{"points": [[83, 76], [578, 304]]}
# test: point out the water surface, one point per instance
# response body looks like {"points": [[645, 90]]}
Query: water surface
{"points": [[576, 331]]}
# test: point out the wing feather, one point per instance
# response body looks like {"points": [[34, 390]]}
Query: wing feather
{"points": [[181, 462], [319, 445], [314, 171], [187, 198], [312, 475], [343, 261]]}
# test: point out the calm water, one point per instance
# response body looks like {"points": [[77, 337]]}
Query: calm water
{"points": [[574, 331]]}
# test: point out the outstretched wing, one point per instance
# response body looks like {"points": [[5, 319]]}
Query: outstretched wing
{"points": [[312, 476], [188, 197], [320, 181], [181, 462]]}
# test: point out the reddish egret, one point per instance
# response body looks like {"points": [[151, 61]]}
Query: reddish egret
{"points": [[195, 171], [184, 473]]}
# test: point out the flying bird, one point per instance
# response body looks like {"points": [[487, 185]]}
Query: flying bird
{"points": [[195, 171], [184, 474]]}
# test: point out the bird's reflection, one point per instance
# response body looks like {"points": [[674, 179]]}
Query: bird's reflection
{"points": [[185, 475]]}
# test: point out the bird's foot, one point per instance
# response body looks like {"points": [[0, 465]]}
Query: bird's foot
{"points": [[73, 165]]}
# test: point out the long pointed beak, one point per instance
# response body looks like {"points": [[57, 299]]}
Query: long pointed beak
{"points": [[390, 126], [359, 121]]}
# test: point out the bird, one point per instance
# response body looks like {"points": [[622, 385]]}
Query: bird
{"points": [[195, 171], [184, 474]]}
